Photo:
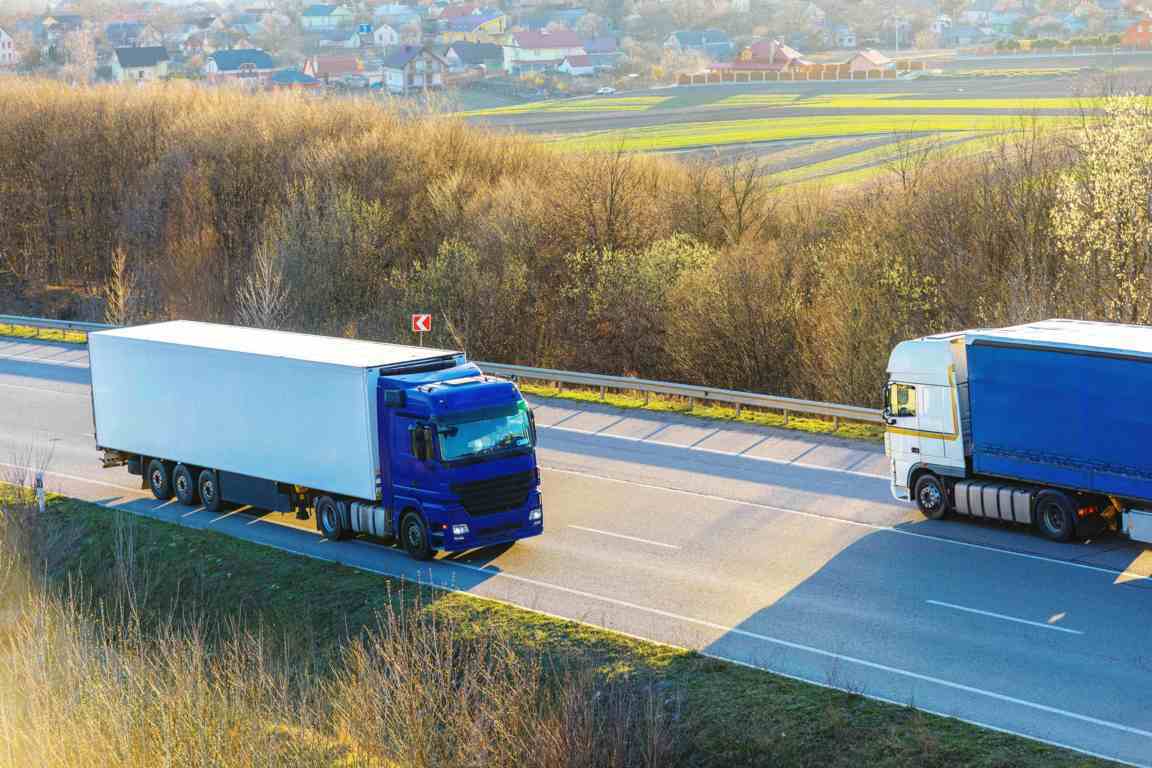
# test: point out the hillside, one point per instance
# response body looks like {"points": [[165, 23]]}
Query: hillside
{"points": [[344, 217]]}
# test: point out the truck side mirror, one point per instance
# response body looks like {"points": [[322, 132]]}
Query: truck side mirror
{"points": [[532, 425], [421, 442]]}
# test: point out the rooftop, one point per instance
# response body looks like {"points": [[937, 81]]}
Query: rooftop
{"points": [[325, 350]]}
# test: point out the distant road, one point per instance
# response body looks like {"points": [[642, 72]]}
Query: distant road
{"points": [[766, 547]]}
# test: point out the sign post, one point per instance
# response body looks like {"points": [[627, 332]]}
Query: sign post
{"points": [[421, 324]]}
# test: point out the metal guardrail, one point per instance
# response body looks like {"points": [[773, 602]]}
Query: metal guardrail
{"points": [[42, 324], [787, 405], [690, 392]]}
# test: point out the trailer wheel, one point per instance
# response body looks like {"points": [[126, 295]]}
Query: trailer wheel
{"points": [[328, 519], [414, 537], [931, 497], [1055, 515], [208, 487], [184, 485], [159, 479]]}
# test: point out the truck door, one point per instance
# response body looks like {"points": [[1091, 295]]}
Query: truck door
{"points": [[903, 429], [934, 414]]}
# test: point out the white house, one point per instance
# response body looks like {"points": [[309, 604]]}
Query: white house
{"points": [[413, 68], [8, 56], [538, 51], [140, 65], [577, 66], [385, 36], [325, 18]]}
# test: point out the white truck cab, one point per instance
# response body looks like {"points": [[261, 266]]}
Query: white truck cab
{"points": [[925, 412]]}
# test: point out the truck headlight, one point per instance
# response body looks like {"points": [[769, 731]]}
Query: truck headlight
{"points": [[460, 530], [536, 515]]}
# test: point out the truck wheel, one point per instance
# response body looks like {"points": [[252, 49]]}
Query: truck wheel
{"points": [[209, 489], [1055, 515], [328, 519], [414, 537], [159, 480], [931, 497], [184, 485]]}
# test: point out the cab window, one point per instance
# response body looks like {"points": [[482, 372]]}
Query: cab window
{"points": [[902, 400]]}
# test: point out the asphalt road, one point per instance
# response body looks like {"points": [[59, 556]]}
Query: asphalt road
{"points": [[761, 546]]}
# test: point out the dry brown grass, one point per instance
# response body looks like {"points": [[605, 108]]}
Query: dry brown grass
{"points": [[83, 686]]}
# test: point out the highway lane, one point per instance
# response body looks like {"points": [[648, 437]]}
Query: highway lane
{"points": [[761, 546]]}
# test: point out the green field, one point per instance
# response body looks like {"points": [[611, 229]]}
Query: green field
{"points": [[723, 714], [730, 132], [589, 104]]}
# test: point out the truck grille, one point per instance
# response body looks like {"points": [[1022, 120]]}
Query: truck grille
{"points": [[497, 494], [495, 530]]}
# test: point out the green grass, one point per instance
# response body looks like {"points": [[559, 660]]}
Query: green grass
{"points": [[705, 410], [46, 334], [591, 104], [730, 716], [907, 102], [719, 133]]}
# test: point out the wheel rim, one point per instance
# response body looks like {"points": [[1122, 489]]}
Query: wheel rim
{"points": [[329, 517], [930, 496], [181, 484], [157, 479], [414, 535], [207, 491], [1053, 517]]}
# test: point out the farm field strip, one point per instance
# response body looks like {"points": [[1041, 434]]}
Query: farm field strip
{"points": [[597, 104], [727, 132], [905, 101]]}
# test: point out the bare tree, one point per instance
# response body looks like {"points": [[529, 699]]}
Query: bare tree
{"points": [[119, 290], [262, 300]]}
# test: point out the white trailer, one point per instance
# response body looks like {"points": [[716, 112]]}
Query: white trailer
{"points": [[288, 407]]}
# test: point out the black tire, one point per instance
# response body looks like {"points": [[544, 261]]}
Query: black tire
{"points": [[329, 520], [414, 537], [159, 479], [931, 497], [208, 486], [1055, 516], [184, 485]]}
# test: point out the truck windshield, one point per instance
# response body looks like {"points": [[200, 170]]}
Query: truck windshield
{"points": [[491, 430]]}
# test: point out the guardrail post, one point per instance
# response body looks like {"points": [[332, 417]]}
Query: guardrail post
{"points": [[647, 396], [835, 423], [737, 410], [785, 417], [603, 392], [691, 404]]}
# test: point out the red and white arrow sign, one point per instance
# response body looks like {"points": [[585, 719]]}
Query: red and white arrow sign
{"points": [[421, 323]]}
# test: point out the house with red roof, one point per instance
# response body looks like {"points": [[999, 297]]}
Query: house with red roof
{"points": [[1139, 35], [766, 56], [528, 51], [328, 69], [866, 61]]}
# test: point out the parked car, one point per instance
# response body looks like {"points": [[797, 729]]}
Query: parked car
{"points": [[607, 90]]}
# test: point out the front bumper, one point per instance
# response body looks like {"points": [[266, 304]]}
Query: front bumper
{"points": [[450, 544]]}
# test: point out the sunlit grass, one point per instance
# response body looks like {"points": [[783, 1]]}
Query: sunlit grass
{"points": [[44, 334], [907, 102], [708, 410]]}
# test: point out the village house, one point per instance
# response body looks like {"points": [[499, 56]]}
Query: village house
{"points": [[413, 68], [844, 37], [1139, 35], [344, 39], [464, 56], [528, 51], [250, 67], [578, 66], [334, 69], [8, 55], [709, 42], [292, 80], [385, 36], [480, 27], [140, 64], [325, 18], [868, 61]]}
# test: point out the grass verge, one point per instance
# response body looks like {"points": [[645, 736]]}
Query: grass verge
{"points": [[704, 410], [723, 714]]}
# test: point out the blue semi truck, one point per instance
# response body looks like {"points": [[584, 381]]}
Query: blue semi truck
{"points": [[1045, 424], [405, 443]]}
